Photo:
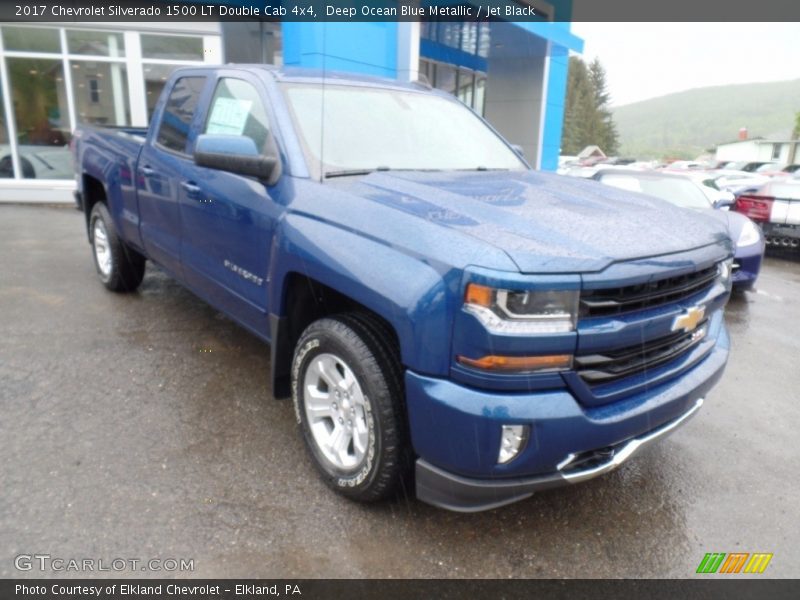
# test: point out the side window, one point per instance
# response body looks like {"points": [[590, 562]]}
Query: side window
{"points": [[237, 109], [178, 114]]}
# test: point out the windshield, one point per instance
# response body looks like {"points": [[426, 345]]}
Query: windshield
{"points": [[735, 166], [351, 128], [675, 190]]}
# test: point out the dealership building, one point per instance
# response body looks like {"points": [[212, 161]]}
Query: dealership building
{"points": [[53, 77]]}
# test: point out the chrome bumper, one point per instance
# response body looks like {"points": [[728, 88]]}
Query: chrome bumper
{"points": [[626, 450]]}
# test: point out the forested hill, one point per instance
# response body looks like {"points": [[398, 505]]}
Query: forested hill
{"points": [[685, 124]]}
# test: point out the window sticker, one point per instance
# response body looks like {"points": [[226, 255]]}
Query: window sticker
{"points": [[229, 116]]}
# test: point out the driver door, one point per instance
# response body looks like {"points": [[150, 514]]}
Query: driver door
{"points": [[229, 219]]}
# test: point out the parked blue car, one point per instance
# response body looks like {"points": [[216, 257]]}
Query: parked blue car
{"points": [[683, 192], [441, 315]]}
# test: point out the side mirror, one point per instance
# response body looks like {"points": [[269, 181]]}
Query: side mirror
{"points": [[237, 154], [725, 200]]}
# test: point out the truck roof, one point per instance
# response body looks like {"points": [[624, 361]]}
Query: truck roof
{"points": [[306, 75]]}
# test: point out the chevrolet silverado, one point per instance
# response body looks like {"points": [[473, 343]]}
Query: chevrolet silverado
{"points": [[440, 313]]}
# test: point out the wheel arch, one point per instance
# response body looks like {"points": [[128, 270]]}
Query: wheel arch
{"points": [[306, 300], [93, 191], [318, 269]]}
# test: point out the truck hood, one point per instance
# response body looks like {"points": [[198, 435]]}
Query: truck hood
{"points": [[546, 223]]}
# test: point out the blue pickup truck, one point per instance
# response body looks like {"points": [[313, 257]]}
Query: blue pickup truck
{"points": [[442, 315]]}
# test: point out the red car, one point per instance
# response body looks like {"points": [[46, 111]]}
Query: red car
{"points": [[776, 208]]}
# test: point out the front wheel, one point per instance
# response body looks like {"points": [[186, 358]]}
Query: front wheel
{"points": [[348, 398]]}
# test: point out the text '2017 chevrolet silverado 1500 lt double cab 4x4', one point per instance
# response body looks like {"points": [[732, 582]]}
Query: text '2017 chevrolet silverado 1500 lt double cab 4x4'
{"points": [[438, 311]]}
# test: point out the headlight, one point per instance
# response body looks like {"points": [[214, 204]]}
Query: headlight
{"points": [[523, 312], [749, 235]]}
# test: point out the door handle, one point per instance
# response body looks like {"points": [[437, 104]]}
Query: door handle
{"points": [[192, 189], [147, 171]]}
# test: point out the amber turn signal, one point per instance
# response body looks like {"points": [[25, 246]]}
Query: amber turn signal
{"points": [[479, 294], [518, 363]]}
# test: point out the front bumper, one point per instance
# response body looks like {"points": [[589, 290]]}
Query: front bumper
{"points": [[446, 490], [746, 265], [456, 434]]}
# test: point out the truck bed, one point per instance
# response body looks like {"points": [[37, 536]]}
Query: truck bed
{"points": [[113, 151], [135, 132]]}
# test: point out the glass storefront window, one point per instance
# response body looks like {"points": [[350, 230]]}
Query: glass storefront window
{"points": [[100, 90], [446, 78], [31, 39], [426, 71], [425, 28], [172, 47], [465, 82], [468, 85], [253, 42], [43, 109], [273, 44], [96, 43], [480, 94], [484, 40], [469, 37], [6, 164], [39, 100]]}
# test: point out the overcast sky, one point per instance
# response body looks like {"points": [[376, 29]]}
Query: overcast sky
{"points": [[645, 60]]}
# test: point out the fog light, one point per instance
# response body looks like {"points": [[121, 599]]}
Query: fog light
{"points": [[512, 440]]}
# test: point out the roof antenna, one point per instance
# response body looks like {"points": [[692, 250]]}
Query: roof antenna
{"points": [[322, 116]]}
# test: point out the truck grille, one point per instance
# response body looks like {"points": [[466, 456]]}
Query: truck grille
{"points": [[595, 369], [614, 301]]}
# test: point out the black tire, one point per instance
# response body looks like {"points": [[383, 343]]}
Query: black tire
{"points": [[126, 269], [368, 348]]}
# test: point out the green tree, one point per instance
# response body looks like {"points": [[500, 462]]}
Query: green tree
{"points": [[604, 121], [795, 137], [577, 109], [587, 118]]}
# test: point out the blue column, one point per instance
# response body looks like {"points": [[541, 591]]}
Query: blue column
{"points": [[368, 48], [562, 40]]}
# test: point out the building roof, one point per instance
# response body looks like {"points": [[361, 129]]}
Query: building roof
{"points": [[780, 137], [591, 151], [750, 139]]}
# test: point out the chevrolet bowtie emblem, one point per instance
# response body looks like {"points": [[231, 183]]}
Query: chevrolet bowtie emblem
{"points": [[689, 320]]}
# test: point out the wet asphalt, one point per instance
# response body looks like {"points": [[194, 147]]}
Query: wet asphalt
{"points": [[141, 426]]}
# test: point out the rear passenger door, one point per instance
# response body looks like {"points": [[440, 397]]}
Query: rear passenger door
{"points": [[229, 219], [161, 167]]}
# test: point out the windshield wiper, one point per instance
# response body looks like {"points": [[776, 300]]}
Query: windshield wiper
{"points": [[353, 172], [482, 168]]}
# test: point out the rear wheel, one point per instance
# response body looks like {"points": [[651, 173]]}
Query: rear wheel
{"points": [[348, 395], [121, 269]]}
